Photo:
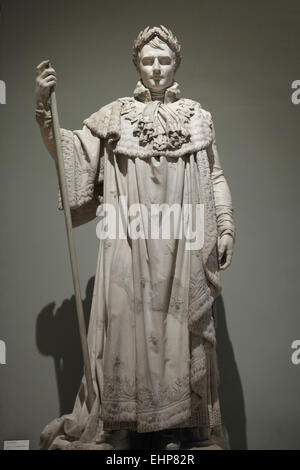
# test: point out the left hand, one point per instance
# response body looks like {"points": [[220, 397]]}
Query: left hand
{"points": [[225, 251]]}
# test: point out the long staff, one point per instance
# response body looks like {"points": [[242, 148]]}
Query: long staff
{"points": [[68, 220]]}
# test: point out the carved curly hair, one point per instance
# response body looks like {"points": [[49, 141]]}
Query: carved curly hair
{"points": [[164, 34]]}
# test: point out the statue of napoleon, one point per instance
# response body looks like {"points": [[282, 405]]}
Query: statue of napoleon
{"points": [[151, 336]]}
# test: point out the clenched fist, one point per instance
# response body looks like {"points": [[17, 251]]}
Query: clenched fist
{"points": [[45, 80]]}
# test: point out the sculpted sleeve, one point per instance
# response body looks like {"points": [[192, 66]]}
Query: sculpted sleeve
{"points": [[84, 167], [223, 200]]}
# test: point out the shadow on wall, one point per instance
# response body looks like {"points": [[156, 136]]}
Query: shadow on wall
{"points": [[57, 335], [230, 390]]}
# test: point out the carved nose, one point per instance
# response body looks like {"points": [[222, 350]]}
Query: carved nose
{"points": [[156, 67]]}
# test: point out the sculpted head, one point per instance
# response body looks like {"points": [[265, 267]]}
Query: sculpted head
{"points": [[156, 56]]}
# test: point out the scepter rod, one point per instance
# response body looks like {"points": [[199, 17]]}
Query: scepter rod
{"points": [[68, 220]]}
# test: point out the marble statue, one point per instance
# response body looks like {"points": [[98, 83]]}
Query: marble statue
{"points": [[151, 336]]}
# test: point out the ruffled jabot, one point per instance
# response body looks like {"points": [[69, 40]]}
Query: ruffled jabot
{"points": [[159, 123]]}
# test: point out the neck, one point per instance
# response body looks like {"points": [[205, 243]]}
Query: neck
{"points": [[157, 95]]}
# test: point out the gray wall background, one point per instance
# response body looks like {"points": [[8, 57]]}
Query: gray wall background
{"points": [[240, 58]]}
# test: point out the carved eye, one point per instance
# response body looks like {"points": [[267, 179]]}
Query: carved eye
{"points": [[147, 61], [165, 60]]}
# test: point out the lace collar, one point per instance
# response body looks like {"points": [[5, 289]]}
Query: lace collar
{"points": [[141, 93]]}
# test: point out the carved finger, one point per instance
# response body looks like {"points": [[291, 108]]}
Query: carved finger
{"points": [[42, 66], [224, 266], [228, 260], [221, 251], [51, 84], [48, 72], [50, 77]]}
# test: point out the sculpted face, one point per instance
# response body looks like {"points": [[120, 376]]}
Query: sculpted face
{"points": [[157, 67]]}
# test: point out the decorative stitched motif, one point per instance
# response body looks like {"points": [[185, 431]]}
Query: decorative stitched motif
{"points": [[122, 389], [117, 413], [178, 309], [215, 417], [124, 401], [155, 302]]}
